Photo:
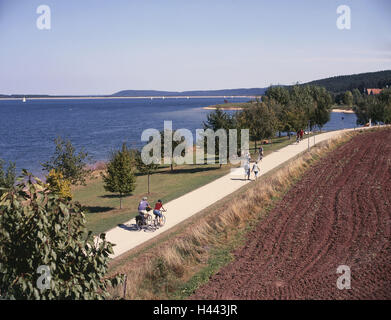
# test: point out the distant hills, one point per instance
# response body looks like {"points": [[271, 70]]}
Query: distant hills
{"points": [[338, 84], [223, 92]]}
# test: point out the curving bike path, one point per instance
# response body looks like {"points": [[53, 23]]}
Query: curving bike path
{"points": [[125, 237]]}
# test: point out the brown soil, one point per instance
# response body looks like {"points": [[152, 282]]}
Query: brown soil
{"points": [[338, 214]]}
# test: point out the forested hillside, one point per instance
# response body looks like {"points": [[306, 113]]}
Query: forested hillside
{"points": [[359, 81]]}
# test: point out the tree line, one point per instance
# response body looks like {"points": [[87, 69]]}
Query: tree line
{"points": [[282, 109], [374, 108]]}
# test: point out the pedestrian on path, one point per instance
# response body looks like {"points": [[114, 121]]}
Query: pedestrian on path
{"points": [[247, 171], [255, 170], [248, 156]]}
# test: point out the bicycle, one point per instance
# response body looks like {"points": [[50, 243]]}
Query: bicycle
{"points": [[147, 223], [159, 221]]}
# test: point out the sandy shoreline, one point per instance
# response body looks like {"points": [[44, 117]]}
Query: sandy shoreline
{"points": [[222, 108], [236, 108], [342, 110]]}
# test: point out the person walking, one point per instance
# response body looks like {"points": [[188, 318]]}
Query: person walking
{"points": [[248, 156], [260, 151], [247, 171], [301, 134], [256, 170]]}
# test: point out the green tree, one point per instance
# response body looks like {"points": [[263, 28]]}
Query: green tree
{"points": [[119, 176], [38, 228], [260, 119], [385, 100], [348, 99], [303, 105], [218, 119], [72, 164], [279, 94], [323, 104], [165, 145], [357, 96], [7, 177], [296, 118], [370, 108], [143, 168]]}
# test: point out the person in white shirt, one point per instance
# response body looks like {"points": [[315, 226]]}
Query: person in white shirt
{"points": [[247, 171], [255, 169]]}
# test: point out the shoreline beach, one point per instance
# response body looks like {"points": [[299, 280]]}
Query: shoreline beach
{"points": [[238, 109]]}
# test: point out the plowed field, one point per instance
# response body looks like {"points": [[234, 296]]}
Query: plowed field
{"points": [[338, 214]]}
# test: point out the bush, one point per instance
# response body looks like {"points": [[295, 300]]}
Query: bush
{"points": [[58, 185], [39, 228]]}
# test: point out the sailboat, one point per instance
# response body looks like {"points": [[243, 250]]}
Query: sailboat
{"points": [[24, 99]]}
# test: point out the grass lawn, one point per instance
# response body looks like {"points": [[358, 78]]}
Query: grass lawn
{"points": [[102, 208]]}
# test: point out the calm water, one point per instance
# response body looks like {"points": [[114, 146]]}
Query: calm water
{"points": [[27, 130]]}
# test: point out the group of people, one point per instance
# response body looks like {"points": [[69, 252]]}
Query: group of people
{"points": [[255, 168], [144, 207]]}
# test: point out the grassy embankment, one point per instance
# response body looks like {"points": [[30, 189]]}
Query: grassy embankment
{"points": [[174, 264], [102, 207]]}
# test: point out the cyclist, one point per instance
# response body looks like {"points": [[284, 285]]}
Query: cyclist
{"points": [[142, 209], [158, 209]]}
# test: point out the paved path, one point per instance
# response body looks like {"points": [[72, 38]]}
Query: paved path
{"points": [[178, 210]]}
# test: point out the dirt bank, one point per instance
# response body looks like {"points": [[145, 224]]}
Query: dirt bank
{"points": [[338, 214]]}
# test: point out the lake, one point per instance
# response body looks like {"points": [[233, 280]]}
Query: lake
{"points": [[27, 130]]}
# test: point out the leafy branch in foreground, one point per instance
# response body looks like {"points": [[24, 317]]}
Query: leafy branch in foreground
{"points": [[39, 228]]}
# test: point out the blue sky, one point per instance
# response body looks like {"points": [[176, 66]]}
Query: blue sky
{"points": [[100, 47]]}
